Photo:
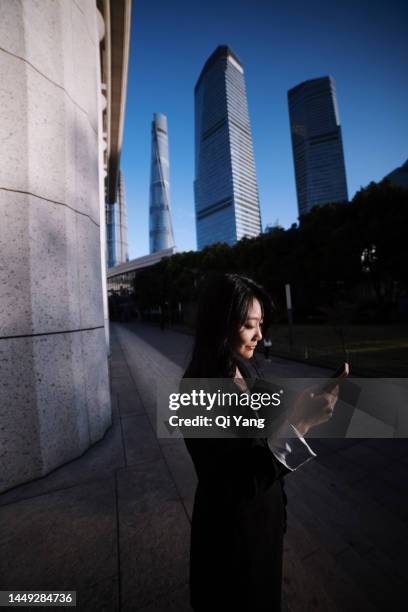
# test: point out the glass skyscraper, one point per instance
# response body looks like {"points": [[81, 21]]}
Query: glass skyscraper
{"points": [[225, 188], [116, 227], [317, 144], [161, 228]]}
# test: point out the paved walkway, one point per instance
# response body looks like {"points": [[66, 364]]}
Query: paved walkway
{"points": [[114, 524]]}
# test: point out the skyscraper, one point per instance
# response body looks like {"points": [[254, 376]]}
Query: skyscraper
{"points": [[317, 144], [225, 188], [161, 229], [122, 224], [116, 227]]}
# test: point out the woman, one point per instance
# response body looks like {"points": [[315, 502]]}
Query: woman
{"points": [[239, 515]]}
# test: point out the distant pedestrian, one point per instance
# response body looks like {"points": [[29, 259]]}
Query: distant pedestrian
{"points": [[267, 348]]}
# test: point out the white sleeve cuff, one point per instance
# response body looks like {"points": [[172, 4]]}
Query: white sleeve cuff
{"points": [[289, 447]]}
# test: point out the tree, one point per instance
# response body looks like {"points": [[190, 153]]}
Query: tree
{"points": [[321, 257]]}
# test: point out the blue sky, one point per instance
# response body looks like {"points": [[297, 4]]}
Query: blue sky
{"points": [[362, 44]]}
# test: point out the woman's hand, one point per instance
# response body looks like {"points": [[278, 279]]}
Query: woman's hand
{"points": [[311, 409]]}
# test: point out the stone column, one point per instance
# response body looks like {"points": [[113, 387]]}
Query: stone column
{"points": [[54, 388]]}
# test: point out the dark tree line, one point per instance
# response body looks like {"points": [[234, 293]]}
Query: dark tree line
{"points": [[346, 260]]}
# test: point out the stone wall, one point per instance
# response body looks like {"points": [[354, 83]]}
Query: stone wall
{"points": [[54, 389]]}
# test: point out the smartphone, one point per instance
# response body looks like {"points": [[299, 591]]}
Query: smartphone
{"points": [[340, 373]]}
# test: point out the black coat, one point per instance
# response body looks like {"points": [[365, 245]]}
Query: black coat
{"points": [[237, 526]]}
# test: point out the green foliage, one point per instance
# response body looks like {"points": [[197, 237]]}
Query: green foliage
{"points": [[320, 257]]}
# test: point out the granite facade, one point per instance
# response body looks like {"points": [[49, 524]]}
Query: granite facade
{"points": [[54, 387]]}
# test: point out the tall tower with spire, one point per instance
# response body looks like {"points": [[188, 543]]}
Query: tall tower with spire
{"points": [[161, 228]]}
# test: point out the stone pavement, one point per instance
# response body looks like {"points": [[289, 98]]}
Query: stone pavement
{"points": [[114, 524]]}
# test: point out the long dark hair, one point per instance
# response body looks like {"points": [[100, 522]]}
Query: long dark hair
{"points": [[222, 310]]}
